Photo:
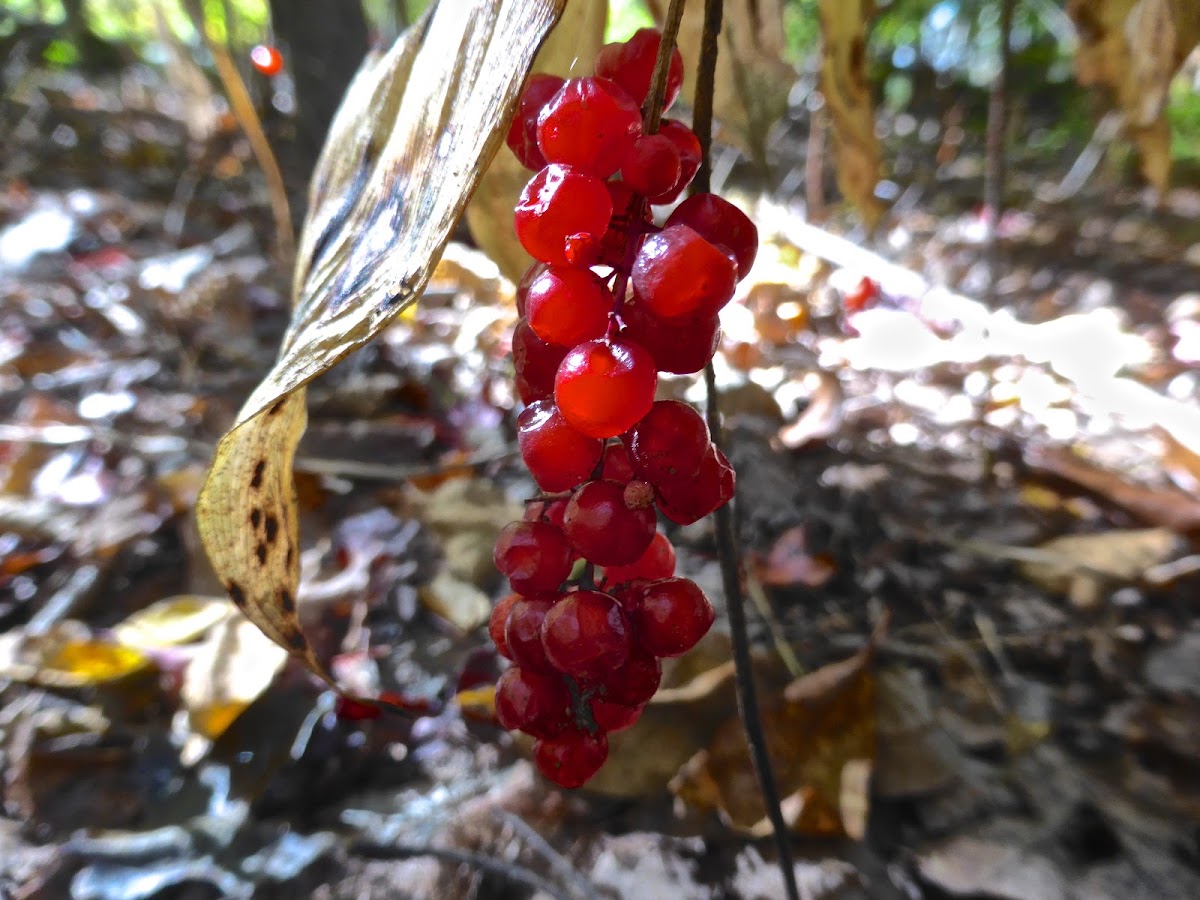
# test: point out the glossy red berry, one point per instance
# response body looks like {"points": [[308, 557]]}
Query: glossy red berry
{"points": [[653, 165], [688, 500], [546, 511], [688, 145], [720, 222], [558, 203], [567, 306], [630, 219], [678, 273], [522, 134], [534, 555], [631, 64], [571, 758], [670, 616], [267, 60], [603, 526], [536, 363], [534, 702], [557, 456], [530, 276], [670, 441], [604, 386], [617, 466], [523, 632], [634, 683], [591, 124], [585, 635], [497, 622], [681, 346], [610, 717], [657, 562]]}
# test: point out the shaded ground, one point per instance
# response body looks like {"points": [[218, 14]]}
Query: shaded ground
{"points": [[1032, 708]]}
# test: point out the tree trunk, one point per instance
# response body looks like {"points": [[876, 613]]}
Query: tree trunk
{"points": [[323, 41]]}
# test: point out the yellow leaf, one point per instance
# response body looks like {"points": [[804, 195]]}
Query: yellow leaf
{"points": [[90, 662], [402, 158], [171, 622]]}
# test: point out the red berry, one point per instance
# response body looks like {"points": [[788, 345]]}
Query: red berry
{"points": [[585, 635], [653, 166], [536, 363], [671, 616], [601, 524], [533, 702], [688, 145], [719, 222], [523, 632], [546, 511], [681, 346], [657, 562], [530, 276], [670, 441], [558, 203], [591, 123], [497, 622], [617, 465], [534, 555], [567, 305], [634, 683], [678, 273], [570, 759], [631, 65], [522, 134], [604, 386], [688, 500], [865, 293], [558, 456], [267, 60], [610, 717], [622, 228]]}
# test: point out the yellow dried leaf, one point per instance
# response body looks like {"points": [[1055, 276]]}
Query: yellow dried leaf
{"points": [[67, 657], [171, 622], [402, 158]]}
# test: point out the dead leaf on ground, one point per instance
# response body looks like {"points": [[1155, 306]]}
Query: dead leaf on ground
{"points": [[458, 602], [400, 163], [820, 736], [68, 656], [1078, 564], [1181, 461], [789, 562], [823, 416], [171, 622], [966, 866]]}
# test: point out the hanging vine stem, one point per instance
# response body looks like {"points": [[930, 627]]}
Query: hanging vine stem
{"points": [[728, 550]]}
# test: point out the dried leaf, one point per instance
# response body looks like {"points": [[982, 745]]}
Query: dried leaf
{"points": [[848, 99], [171, 622], [569, 51], [1087, 558], [823, 416], [458, 602], [821, 737], [400, 163], [67, 657]]}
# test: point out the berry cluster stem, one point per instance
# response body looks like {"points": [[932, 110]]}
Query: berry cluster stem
{"points": [[726, 536]]}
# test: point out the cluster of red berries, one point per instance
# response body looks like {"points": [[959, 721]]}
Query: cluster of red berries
{"points": [[611, 301]]}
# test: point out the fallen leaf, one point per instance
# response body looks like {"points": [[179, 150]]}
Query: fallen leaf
{"points": [[1181, 461], [790, 563], [400, 163], [68, 657], [821, 738], [458, 602], [967, 866], [822, 417], [1077, 561], [171, 622]]}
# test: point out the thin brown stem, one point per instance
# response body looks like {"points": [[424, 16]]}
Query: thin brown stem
{"points": [[662, 68], [728, 551]]}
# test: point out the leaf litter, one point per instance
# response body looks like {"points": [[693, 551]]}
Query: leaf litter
{"points": [[969, 485]]}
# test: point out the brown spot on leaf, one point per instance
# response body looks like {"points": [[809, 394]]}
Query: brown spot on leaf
{"points": [[236, 593], [275, 407], [297, 641], [272, 526], [286, 602], [261, 552], [291, 555], [255, 518], [259, 468]]}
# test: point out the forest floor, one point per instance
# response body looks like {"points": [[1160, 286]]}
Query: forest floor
{"points": [[985, 515]]}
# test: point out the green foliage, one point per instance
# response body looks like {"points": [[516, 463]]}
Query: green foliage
{"points": [[625, 17]]}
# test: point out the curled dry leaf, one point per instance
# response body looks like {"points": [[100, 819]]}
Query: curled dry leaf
{"points": [[821, 737], [821, 418], [848, 99], [570, 51], [67, 657], [1079, 564], [171, 622], [402, 158], [1134, 48]]}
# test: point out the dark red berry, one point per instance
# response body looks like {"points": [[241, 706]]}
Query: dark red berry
{"points": [[533, 702], [617, 465], [678, 273], [591, 124], [631, 64], [720, 222], [653, 166], [571, 758], [531, 275], [657, 562], [558, 203], [567, 306], [688, 500], [634, 683], [585, 635], [557, 456], [522, 134], [603, 387], [546, 511], [630, 219], [671, 616], [610, 717], [523, 632], [497, 622], [536, 363], [670, 441], [688, 145], [602, 526], [680, 346], [534, 555]]}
